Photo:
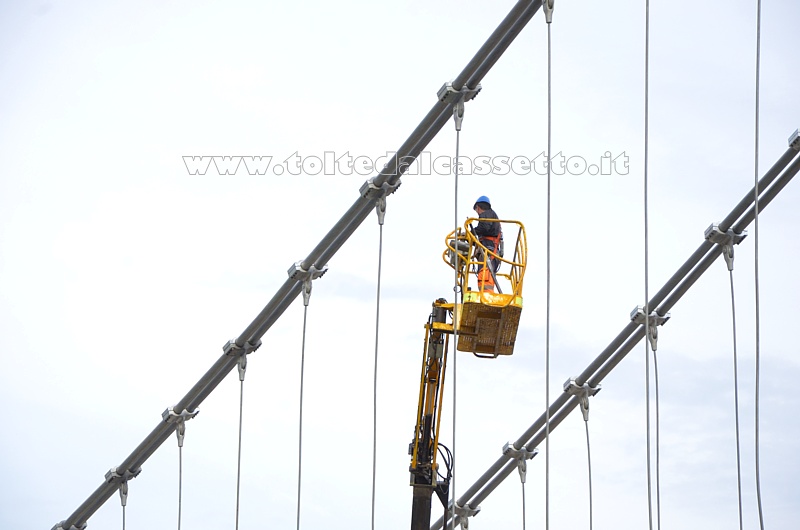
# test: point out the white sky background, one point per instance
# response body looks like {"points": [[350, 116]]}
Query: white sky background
{"points": [[121, 275]]}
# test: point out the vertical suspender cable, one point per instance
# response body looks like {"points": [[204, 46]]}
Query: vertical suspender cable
{"points": [[758, 316], [458, 114], [646, 255], [589, 460], [736, 404], [180, 434], [658, 444], [375, 369], [123, 497], [523, 506], [239, 457], [180, 483], [300, 428], [548, 9]]}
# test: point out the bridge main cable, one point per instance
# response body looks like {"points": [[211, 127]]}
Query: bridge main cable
{"points": [[778, 176], [385, 182]]}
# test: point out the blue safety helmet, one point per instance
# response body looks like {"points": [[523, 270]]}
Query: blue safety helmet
{"points": [[483, 198]]}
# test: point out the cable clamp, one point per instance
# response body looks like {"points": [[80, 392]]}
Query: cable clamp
{"points": [[233, 349], [522, 456], [369, 190], [794, 140], [655, 320], [115, 477], [60, 526], [584, 392], [448, 93], [297, 272], [726, 239], [547, 6], [463, 513], [170, 416]]}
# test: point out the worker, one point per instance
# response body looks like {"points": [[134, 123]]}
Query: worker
{"points": [[489, 235]]}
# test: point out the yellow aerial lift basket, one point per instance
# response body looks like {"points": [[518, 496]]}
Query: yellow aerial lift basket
{"points": [[487, 319]]}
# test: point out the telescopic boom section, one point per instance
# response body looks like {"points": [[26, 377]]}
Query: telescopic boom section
{"points": [[423, 450]]}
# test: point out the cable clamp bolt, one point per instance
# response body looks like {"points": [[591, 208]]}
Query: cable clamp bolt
{"points": [[170, 416], [655, 320], [794, 140], [726, 239], [584, 392], [448, 94], [522, 456], [463, 513]]}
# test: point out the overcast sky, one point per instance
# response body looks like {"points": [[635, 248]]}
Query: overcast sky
{"points": [[122, 274]]}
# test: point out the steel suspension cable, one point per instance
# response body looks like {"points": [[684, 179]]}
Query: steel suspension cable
{"points": [[758, 313], [180, 483], [180, 434], [381, 211], [589, 461], [548, 10], [736, 405], [300, 427], [658, 443], [647, 257], [239, 456], [458, 115]]}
